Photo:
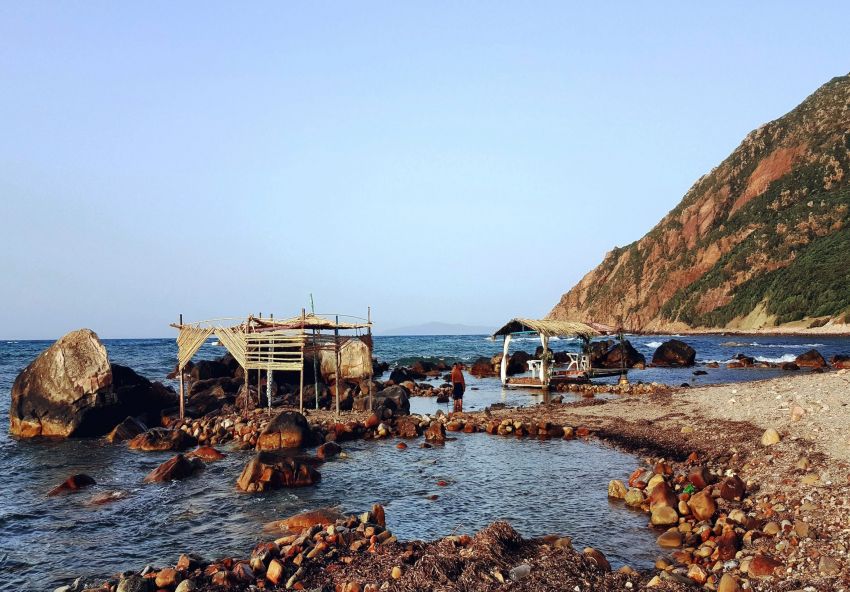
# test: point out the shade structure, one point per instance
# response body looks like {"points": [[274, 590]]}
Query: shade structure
{"points": [[547, 327]]}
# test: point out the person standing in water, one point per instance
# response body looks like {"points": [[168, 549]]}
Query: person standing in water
{"points": [[458, 386]]}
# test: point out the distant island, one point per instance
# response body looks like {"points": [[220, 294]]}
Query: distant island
{"points": [[758, 243], [437, 328]]}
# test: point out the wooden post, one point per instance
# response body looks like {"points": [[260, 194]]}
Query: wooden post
{"points": [[180, 371], [269, 379], [504, 367], [301, 381], [336, 351], [371, 369]]}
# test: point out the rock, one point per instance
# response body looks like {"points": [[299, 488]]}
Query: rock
{"points": [[662, 495], [162, 439], [770, 437], [207, 453], [674, 354], [186, 586], [634, 497], [613, 357], [827, 566], [697, 574], [702, 505], [394, 398], [728, 583], [482, 368], [518, 362], [273, 470], [699, 477], [840, 362], [811, 359], [396, 572], [789, 366], [328, 450], [670, 539], [763, 566], [207, 369], [126, 430], [407, 427], [179, 467], [167, 578], [288, 429], [733, 488], [664, 516], [597, 558], [72, 483], [436, 432], [275, 572], [616, 489], [133, 583], [771, 529], [71, 390], [321, 517]]}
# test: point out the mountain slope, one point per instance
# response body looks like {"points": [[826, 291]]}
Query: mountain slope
{"points": [[762, 240]]}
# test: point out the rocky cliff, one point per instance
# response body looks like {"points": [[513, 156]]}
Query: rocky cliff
{"points": [[761, 241]]}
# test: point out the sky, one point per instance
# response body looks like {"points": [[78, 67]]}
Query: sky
{"points": [[462, 162]]}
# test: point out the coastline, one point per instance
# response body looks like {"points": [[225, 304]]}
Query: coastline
{"points": [[799, 484]]}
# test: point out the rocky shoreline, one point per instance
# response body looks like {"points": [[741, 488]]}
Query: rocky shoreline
{"points": [[737, 505]]}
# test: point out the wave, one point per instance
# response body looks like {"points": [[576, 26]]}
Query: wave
{"points": [[653, 344], [769, 345], [779, 360]]}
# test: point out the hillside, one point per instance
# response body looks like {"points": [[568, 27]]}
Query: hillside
{"points": [[761, 241]]}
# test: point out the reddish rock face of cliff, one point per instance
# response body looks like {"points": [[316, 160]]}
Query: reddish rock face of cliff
{"points": [[759, 241]]}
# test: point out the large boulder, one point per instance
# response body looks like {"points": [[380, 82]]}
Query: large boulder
{"points": [[161, 439], [179, 467], [394, 398], [518, 362], [126, 430], [811, 359], [840, 361], [288, 429], [355, 361], [674, 354], [274, 470], [206, 369], [483, 367], [71, 390], [613, 357]]}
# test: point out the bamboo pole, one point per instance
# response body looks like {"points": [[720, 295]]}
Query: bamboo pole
{"points": [[301, 381], [371, 368], [336, 351], [182, 389]]}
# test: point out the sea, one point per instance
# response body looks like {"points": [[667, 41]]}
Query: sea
{"points": [[541, 487]]}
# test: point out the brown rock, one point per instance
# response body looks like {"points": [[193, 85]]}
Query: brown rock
{"points": [[728, 583], [702, 505], [811, 359], [597, 558], [126, 430], [699, 477], [71, 390], [162, 439], [436, 432], [72, 483], [167, 578], [670, 539], [207, 453], [662, 495], [763, 565], [733, 488], [379, 516], [288, 429], [273, 470], [328, 450], [406, 427], [174, 469], [674, 354], [322, 517]]}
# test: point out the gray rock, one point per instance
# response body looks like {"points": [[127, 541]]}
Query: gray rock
{"points": [[133, 583]]}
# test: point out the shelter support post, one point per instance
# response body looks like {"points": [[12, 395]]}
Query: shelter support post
{"points": [[504, 365], [336, 353], [371, 368], [269, 378], [544, 366]]}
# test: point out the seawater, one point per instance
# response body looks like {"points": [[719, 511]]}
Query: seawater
{"points": [[540, 487]]}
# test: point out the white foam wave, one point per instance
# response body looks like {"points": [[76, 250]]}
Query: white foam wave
{"points": [[653, 344]]}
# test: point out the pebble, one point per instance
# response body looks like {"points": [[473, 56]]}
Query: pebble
{"points": [[770, 437]]}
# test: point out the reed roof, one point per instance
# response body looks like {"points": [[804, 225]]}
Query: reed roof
{"points": [[548, 327]]}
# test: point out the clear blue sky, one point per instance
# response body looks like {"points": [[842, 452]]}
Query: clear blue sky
{"points": [[454, 161]]}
